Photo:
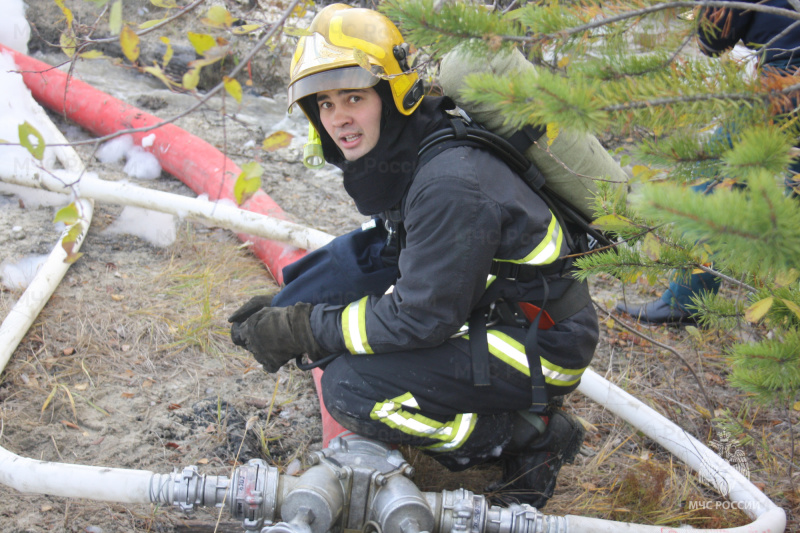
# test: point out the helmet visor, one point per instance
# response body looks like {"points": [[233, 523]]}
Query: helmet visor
{"points": [[338, 78]]}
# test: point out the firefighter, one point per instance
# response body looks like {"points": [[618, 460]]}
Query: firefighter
{"points": [[428, 322], [775, 39]]}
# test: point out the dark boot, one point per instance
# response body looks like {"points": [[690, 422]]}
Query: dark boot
{"points": [[658, 312], [530, 470]]}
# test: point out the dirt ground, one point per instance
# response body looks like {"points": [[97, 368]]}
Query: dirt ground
{"points": [[130, 364]]}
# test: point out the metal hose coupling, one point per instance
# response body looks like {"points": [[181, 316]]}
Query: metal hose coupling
{"points": [[355, 484], [461, 511]]}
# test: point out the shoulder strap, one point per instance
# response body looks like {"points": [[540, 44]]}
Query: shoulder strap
{"points": [[465, 132]]}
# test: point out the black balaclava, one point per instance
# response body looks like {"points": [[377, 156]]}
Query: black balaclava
{"points": [[378, 180]]}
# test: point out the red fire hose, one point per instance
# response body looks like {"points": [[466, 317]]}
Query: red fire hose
{"points": [[198, 164]]}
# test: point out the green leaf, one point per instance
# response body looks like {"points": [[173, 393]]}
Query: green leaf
{"points": [[248, 182], [202, 42], [25, 132], [168, 4], [68, 214], [115, 18]]}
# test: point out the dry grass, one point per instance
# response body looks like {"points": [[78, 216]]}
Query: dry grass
{"points": [[135, 341]]}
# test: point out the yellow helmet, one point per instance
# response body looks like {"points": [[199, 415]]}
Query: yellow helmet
{"points": [[325, 59]]}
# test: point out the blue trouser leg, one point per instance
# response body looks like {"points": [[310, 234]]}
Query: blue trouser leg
{"points": [[343, 271], [685, 285]]}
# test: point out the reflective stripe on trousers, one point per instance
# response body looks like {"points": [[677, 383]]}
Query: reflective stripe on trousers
{"points": [[451, 435]]}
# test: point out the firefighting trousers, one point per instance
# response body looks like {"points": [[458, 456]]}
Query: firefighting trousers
{"points": [[427, 398]]}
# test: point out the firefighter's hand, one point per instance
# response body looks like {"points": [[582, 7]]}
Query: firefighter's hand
{"points": [[253, 305], [276, 335]]}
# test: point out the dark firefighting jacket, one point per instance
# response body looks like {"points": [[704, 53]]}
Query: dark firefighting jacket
{"points": [[464, 211], [755, 29]]}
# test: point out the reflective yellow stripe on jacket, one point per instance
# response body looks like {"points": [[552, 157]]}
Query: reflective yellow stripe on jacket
{"points": [[354, 327], [512, 352], [546, 251], [451, 435]]}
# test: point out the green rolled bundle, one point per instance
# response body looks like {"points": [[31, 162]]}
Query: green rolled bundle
{"points": [[575, 158]]}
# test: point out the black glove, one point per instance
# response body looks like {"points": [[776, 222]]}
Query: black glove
{"points": [[253, 305], [276, 335]]}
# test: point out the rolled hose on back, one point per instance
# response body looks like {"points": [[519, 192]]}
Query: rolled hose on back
{"points": [[570, 164]]}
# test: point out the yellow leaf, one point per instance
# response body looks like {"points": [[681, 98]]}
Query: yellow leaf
{"points": [[796, 406], [233, 87], [612, 222], [552, 133], [67, 43], [168, 53], [244, 29], [202, 42], [793, 307], [563, 62], [130, 44], [68, 215], [293, 31], [218, 17], [362, 59], [279, 139], [756, 312], [49, 398], [301, 8], [92, 54], [70, 241], [151, 23], [168, 4], [66, 11], [115, 18], [651, 247], [191, 78], [158, 73], [248, 182], [783, 279]]}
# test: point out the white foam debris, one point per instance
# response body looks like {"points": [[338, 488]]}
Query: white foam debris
{"points": [[14, 28], [153, 226], [18, 275], [114, 150], [141, 164]]}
